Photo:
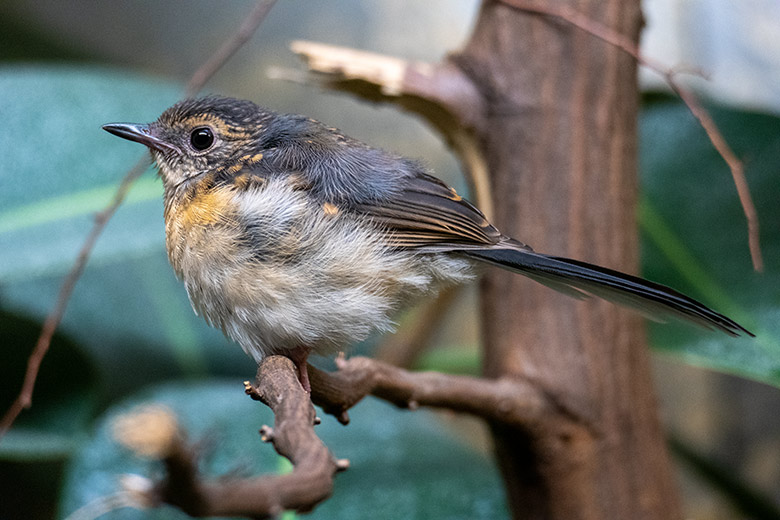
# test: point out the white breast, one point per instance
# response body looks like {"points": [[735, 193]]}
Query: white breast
{"points": [[290, 272]]}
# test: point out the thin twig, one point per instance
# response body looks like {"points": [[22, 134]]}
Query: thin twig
{"points": [[224, 53], [736, 167], [628, 46], [24, 399], [209, 68]]}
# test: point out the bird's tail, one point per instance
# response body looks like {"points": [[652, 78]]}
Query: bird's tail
{"points": [[580, 279]]}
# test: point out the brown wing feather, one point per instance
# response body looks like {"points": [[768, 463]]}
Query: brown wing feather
{"points": [[428, 213]]}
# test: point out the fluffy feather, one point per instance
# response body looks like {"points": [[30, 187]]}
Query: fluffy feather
{"points": [[292, 274], [291, 236]]}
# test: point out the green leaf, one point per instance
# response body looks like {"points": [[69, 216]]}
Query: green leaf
{"points": [[58, 169], [37, 444], [64, 399], [402, 464], [695, 235]]}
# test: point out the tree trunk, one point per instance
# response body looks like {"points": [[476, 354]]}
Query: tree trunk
{"points": [[560, 140]]}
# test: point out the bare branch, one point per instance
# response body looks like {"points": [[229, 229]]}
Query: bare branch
{"points": [[24, 399], [293, 437], [229, 48], [624, 43], [503, 401], [152, 431], [506, 401]]}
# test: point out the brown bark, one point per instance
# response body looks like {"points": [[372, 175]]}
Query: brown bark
{"points": [[560, 139], [507, 400], [293, 437]]}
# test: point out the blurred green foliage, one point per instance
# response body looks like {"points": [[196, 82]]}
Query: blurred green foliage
{"points": [[403, 465], [694, 232], [129, 324]]}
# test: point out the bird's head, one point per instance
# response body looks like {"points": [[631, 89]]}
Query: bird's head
{"points": [[196, 136]]}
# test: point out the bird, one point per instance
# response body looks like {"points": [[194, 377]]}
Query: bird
{"points": [[294, 238]]}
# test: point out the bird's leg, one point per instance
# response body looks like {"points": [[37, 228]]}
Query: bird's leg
{"points": [[299, 355]]}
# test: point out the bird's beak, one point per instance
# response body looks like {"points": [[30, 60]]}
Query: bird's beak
{"points": [[140, 134]]}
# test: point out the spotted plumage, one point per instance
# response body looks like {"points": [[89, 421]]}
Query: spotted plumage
{"points": [[292, 237]]}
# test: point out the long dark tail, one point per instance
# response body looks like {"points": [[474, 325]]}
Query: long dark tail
{"points": [[580, 279]]}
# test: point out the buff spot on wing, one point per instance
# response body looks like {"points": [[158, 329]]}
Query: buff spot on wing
{"points": [[241, 181], [455, 196], [247, 180], [330, 209], [252, 159], [244, 180]]}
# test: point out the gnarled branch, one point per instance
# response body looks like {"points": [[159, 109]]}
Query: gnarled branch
{"points": [[292, 435], [505, 401], [509, 401]]}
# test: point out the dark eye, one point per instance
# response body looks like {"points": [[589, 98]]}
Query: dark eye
{"points": [[202, 138]]}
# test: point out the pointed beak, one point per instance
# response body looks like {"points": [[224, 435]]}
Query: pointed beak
{"points": [[140, 134]]}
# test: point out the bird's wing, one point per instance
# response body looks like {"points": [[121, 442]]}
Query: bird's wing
{"points": [[430, 216], [427, 213]]}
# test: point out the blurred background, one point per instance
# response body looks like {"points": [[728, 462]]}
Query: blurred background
{"points": [[129, 335]]}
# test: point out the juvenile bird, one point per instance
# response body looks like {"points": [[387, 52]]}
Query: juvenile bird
{"points": [[294, 238]]}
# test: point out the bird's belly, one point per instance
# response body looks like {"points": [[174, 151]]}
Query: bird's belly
{"points": [[282, 273]]}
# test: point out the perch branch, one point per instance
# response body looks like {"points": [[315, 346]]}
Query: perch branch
{"points": [[627, 45], [505, 401], [293, 437], [209, 68]]}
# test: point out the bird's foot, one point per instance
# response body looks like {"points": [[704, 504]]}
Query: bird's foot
{"points": [[299, 356]]}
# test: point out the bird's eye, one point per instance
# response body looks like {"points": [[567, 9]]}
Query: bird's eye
{"points": [[202, 138]]}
